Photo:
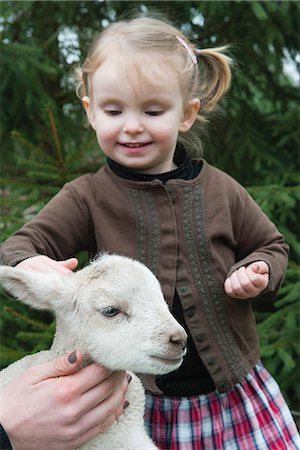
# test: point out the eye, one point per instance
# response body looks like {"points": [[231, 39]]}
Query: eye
{"points": [[154, 113], [112, 112], [109, 311]]}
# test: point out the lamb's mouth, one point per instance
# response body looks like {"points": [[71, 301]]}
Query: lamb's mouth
{"points": [[169, 361]]}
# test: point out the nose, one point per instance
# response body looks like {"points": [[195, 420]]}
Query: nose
{"points": [[133, 125], [179, 340]]}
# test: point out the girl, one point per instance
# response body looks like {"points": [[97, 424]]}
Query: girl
{"points": [[144, 87]]}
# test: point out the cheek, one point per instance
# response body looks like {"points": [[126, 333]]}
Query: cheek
{"points": [[165, 131], [106, 132], [167, 126], [102, 136]]}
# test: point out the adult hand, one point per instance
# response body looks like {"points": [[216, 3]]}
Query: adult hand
{"points": [[41, 263], [248, 282], [58, 406]]}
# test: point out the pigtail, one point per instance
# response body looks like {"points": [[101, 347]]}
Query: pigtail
{"points": [[215, 75], [80, 85]]}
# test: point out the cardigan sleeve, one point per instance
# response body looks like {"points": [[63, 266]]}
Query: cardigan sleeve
{"points": [[259, 240], [61, 230]]}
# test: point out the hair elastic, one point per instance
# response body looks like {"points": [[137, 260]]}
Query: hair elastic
{"points": [[188, 48]]}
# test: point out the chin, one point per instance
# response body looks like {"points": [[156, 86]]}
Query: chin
{"points": [[159, 366]]}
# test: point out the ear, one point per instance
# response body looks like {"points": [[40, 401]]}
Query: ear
{"points": [[87, 104], [38, 289], [189, 115]]}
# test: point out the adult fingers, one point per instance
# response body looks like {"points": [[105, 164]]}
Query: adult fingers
{"points": [[85, 436], [87, 378], [102, 416], [59, 367], [115, 386]]}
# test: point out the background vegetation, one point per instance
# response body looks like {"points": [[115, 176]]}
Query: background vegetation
{"points": [[255, 139]]}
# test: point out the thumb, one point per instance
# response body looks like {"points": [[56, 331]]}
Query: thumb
{"points": [[70, 263], [64, 365], [260, 267]]}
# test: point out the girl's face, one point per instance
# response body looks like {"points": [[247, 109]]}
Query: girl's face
{"points": [[137, 122]]}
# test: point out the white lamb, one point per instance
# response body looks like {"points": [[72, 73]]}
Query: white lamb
{"points": [[112, 310]]}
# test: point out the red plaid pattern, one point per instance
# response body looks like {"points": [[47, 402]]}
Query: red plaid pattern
{"points": [[253, 416]]}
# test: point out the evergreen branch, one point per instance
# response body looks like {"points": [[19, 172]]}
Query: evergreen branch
{"points": [[83, 150], [57, 145], [7, 353], [44, 176], [33, 335], [31, 147], [24, 184], [23, 318]]}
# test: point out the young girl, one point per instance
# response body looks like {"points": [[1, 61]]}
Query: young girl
{"points": [[144, 86]]}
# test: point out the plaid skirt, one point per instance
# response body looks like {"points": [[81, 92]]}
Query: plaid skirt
{"points": [[253, 415]]}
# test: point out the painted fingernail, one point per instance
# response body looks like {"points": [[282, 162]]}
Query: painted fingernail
{"points": [[72, 357], [126, 404], [129, 378]]}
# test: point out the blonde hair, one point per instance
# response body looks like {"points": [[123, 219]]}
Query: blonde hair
{"points": [[138, 42]]}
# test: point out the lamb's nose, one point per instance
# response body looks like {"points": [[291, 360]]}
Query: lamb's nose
{"points": [[181, 342]]}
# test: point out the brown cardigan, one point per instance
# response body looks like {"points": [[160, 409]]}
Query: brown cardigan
{"points": [[190, 233]]}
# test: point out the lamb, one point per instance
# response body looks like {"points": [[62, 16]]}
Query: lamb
{"points": [[112, 310]]}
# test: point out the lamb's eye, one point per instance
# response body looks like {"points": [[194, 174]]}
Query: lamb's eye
{"points": [[110, 311]]}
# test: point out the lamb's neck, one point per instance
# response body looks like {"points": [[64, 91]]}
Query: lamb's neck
{"points": [[66, 340]]}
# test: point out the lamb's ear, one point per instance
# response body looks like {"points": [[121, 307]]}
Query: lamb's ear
{"points": [[37, 289]]}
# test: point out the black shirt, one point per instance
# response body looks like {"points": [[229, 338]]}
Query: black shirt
{"points": [[192, 377], [4, 441]]}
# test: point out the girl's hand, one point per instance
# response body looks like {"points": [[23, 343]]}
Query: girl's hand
{"points": [[248, 282], [42, 263]]}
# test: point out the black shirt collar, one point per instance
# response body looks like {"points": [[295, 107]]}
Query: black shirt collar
{"points": [[185, 170]]}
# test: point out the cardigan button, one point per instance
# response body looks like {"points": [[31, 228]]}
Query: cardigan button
{"points": [[224, 386], [200, 338], [183, 289], [211, 362], [190, 313]]}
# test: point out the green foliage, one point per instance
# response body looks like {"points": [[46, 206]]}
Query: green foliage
{"points": [[255, 136], [39, 176], [279, 337], [279, 324], [25, 331]]}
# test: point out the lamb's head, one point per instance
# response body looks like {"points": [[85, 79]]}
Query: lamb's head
{"points": [[115, 309]]}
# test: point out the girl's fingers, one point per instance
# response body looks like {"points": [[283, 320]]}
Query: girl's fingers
{"points": [[248, 282], [239, 283], [41, 263], [69, 264], [259, 267]]}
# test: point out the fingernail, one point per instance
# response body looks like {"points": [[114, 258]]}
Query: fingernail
{"points": [[126, 404], [72, 357], [257, 266], [129, 378]]}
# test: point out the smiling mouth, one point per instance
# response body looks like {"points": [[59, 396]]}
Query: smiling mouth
{"points": [[134, 145]]}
